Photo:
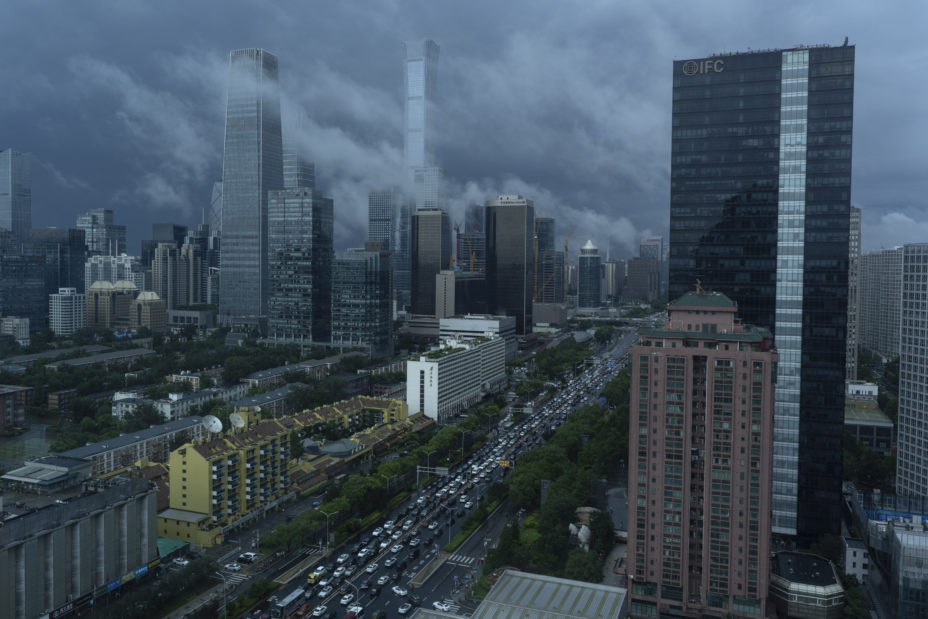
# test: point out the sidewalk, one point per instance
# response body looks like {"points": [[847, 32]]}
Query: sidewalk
{"points": [[614, 568]]}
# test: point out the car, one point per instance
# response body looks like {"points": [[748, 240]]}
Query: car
{"points": [[442, 606], [320, 611], [247, 557], [377, 532], [396, 548], [388, 525], [433, 525], [414, 542], [233, 567], [372, 568], [404, 608], [351, 569], [396, 535], [357, 609], [400, 591], [385, 543], [181, 561], [339, 572], [390, 562], [342, 558], [383, 580], [462, 498], [325, 582], [325, 591], [407, 525], [468, 505], [364, 553], [347, 599]]}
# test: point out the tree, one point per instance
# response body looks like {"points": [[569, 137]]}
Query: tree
{"points": [[296, 445], [583, 565], [830, 547], [143, 417]]}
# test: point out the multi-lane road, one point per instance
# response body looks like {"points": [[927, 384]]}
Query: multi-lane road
{"points": [[399, 563]]}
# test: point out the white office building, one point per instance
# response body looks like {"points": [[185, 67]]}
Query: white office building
{"points": [[66, 312], [476, 326], [445, 381]]}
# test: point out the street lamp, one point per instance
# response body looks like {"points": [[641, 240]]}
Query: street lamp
{"points": [[428, 458], [223, 577], [326, 525]]}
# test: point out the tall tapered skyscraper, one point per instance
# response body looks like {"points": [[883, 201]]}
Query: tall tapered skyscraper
{"points": [[16, 192], [511, 258], [420, 72], [760, 211], [252, 165]]}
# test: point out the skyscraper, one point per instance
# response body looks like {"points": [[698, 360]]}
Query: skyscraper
{"points": [[880, 301], [472, 242], [589, 288], [431, 253], [103, 237], [66, 311], [362, 315], [16, 192], [65, 253], [700, 463], [300, 236], [382, 207], [510, 224], [299, 171], [252, 166], [911, 471], [760, 198], [853, 293], [420, 74]]}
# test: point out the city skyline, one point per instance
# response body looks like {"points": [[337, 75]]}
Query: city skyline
{"points": [[156, 113]]}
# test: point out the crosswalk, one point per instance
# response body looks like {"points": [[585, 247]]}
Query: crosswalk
{"points": [[463, 560], [235, 578]]}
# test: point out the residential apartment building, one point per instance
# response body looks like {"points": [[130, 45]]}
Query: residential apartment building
{"points": [[701, 450], [879, 310], [66, 311]]}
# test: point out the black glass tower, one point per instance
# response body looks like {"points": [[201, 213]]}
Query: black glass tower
{"points": [[760, 203], [511, 259]]}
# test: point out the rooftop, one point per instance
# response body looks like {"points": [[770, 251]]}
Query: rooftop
{"points": [[806, 569], [861, 415], [750, 334], [523, 595], [92, 449], [268, 396], [703, 298], [104, 357], [51, 354]]}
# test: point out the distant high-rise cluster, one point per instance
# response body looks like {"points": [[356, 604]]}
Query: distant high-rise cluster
{"points": [[16, 192]]}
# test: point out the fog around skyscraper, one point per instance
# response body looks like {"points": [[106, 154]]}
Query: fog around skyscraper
{"points": [[567, 107]]}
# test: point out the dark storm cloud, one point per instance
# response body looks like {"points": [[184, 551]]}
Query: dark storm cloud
{"points": [[122, 103]]}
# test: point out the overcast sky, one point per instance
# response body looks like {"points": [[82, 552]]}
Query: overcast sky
{"points": [[122, 102]]}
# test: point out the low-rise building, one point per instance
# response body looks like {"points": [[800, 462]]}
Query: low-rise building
{"points": [[177, 405], [863, 418], [856, 558], [153, 444], [476, 326], [445, 381], [61, 552], [13, 401], [271, 403], [116, 357], [315, 369], [17, 328], [805, 586]]}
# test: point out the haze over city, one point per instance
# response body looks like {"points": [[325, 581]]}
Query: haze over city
{"points": [[122, 104]]}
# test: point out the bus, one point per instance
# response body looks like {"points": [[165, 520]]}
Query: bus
{"points": [[288, 605]]}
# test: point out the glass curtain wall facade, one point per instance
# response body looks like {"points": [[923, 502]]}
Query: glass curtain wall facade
{"points": [[298, 170], [760, 199], [510, 224], [16, 192], [103, 237], [362, 315], [589, 288], [252, 165], [300, 239], [431, 253], [912, 458], [420, 73]]}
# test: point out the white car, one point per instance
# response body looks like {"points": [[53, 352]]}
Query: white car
{"points": [[233, 567], [433, 525], [383, 580], [468, 505], [396, 548], [414, 542], [339, 571], [324, 593], [400, 591], [405, 608], [320, 611], [390, 562], [347, 599], [376, 532], [342, 558], [407, 525], [442, 606], [357, 609], [385, 543], [181, 561], [388, 525], [372, 568], [397, 534]]}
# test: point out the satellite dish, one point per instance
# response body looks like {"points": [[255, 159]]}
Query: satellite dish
{"points": [[213, 424], [237, 420]]}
